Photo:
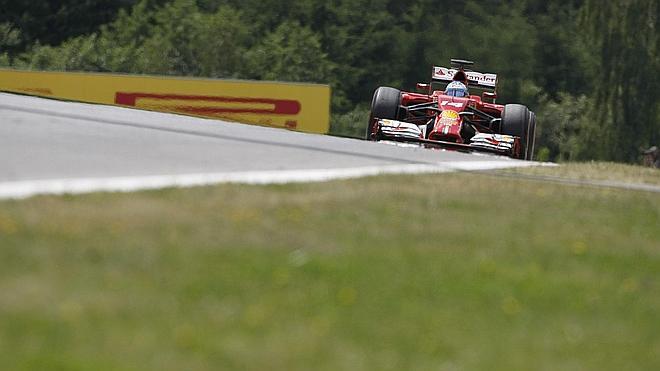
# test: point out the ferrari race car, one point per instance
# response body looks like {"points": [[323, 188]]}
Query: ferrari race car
{"points": [[447, 116]]}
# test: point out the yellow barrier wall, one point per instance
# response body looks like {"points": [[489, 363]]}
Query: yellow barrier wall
{"points": [[303, 107]]}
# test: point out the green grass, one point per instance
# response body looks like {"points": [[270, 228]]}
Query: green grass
{"points": [[437, 272], [600, 171]]}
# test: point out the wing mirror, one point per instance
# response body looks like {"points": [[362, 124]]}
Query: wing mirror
{"points": [[423, 87], [488, 95]]}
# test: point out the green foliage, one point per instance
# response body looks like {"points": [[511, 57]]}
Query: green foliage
{"points": [[79, 54], [562, 59], [176, 39], [625, 34], [350, 124], [290, 53], [470, 34], [52, 22], [184, 41], [9, 37], [368, 43], [564, 121]]}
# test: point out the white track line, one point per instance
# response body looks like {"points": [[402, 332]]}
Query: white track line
{"points": [[24, 189]]}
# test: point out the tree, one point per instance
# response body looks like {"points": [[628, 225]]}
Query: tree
{"points": [[625, 34], [52, 22], [290, 53], [561, 56], [185, 41], [9, 37], [176, 39]]}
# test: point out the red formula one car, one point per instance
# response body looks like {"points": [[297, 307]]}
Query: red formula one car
{"points": [[448, 116]]}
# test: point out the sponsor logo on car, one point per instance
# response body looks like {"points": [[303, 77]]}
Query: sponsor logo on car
{"points": [[447, 74]]}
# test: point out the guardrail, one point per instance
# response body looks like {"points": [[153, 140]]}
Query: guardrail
{"points": [[302, 107]]}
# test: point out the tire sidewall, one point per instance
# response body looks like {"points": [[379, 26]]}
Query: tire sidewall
{"points": [[517, 121], [384, 105]]}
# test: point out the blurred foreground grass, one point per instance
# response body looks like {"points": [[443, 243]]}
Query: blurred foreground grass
{"points": [[441, 272], [599, 171]]}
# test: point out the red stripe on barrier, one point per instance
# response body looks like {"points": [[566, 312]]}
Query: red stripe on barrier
{"points": [[280, 106]]}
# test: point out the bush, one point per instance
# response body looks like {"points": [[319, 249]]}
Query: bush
{"points": [[560, 127], [290, 53], [185, 41], [351, 124]]}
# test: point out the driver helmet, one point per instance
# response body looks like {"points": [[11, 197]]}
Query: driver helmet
{"points": [[456, 89]]}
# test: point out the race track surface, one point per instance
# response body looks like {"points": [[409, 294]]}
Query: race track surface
{"points": [[48, 140]]}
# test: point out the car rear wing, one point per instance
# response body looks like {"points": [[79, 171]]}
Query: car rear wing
{"points": [[484, 81]]}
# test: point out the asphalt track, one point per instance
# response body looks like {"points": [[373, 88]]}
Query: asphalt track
{"points": [[50, 146]]}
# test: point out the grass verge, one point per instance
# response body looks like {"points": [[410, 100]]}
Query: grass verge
{"points": [[437, 272], [601, 171]]}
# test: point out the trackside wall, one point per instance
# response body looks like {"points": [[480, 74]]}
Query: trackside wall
{"points": [[302, 107]]}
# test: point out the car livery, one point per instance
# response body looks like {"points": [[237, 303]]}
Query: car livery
{"points": [[470, 123]]}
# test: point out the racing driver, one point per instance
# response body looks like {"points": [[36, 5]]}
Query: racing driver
{"points": [[456, 89]]}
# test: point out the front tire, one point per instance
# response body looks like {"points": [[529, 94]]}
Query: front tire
{"points": [[384, 105], [519, 121]]}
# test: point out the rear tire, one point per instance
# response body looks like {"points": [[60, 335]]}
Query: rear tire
{"points": [[531, 136], [519, 121], [384, 105]]}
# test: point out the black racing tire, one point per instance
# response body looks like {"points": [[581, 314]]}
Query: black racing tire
{"points": [[519, 121], [384, 105], [531, 136]]}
